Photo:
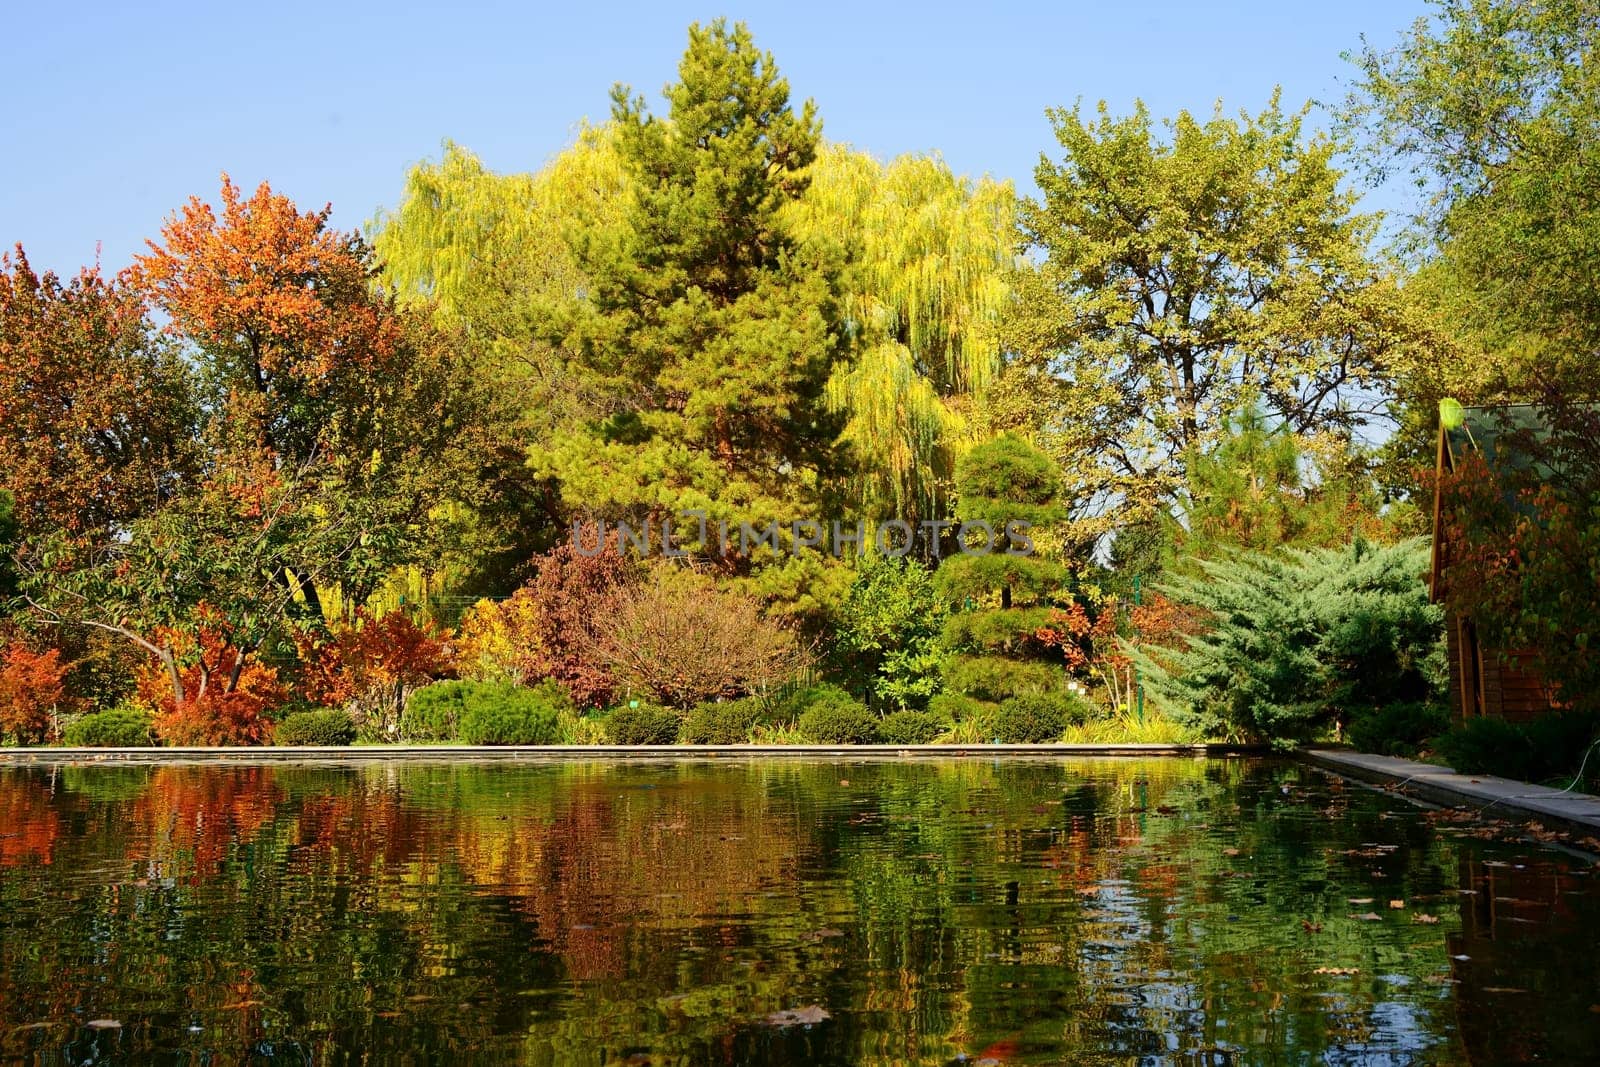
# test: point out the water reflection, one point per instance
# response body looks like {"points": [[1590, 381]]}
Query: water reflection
{"points": [[775, 912]]}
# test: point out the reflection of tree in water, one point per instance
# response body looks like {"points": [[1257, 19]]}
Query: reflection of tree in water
{"points": [[1028, 909]]}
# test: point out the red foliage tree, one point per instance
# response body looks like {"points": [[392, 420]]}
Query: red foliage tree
{"points": [[95, 420], [32, 686], [223, 697], [372, 664]]}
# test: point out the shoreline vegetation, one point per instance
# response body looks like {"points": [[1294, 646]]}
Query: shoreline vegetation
{"points": [[1143, 458]]}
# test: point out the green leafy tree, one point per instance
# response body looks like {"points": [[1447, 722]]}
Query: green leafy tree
{"points": [[710, 329], [1182, 278], [1492, 107], [888, 631], [1297, 640]]}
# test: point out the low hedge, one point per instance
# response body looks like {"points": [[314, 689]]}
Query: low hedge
{"points": [[114, 728], [1398, 729], [726, 723], [647, 724], [911, 727], [1037, 718], [518, 717], [322, 726], [834, 717]]}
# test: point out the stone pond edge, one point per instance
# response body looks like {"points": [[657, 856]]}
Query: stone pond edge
{"points": [[1572, 813]]}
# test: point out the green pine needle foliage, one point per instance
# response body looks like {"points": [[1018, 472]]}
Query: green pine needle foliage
{"points": [[1300, 639]]}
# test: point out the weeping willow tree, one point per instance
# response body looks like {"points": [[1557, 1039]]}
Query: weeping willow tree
{"points": [[491, 254], [930, 254]]}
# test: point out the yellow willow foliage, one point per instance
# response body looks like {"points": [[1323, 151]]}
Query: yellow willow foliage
{"points": [[484, 247], [930, 254]]}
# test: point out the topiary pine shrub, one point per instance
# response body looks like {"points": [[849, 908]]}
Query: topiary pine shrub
{"points": [[320, 726], [1008, 491], [994, 678], [647, 724]]}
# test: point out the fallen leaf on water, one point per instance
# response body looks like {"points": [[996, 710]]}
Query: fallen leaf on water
{"points": [[1311, 927], [1421, 918], [1230, 852], [1336, 970], [809, 1015], [1361, 900], [103, 1024], [1397, 905], [1367, 917], [999, 1052]]}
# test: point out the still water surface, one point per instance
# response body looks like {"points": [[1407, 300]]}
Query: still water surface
{"points": [[726, 912]]}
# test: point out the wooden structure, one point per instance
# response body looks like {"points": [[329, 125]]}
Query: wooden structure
{"points": [[1484, 681]]}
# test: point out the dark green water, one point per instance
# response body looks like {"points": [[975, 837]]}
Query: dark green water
{"points": [[1074, 911]]}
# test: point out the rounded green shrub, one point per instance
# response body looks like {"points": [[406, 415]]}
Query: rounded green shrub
{"points": [[1036, 718], [1398, 729], [1549, 749], [911, 727], [114, 728], [834, 717], [322, 726], [726, 723], [957, 707], [434, 712], [509, 715], [1488, 746], [994, 678], [647, 724]]}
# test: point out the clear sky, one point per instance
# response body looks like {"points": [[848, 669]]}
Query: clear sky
{"points": [[116, 112]]}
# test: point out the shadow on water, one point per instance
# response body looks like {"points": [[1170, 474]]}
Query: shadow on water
{"points": [[1028, 911]]}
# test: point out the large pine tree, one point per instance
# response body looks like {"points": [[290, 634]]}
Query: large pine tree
{"points": [[708, 326]]}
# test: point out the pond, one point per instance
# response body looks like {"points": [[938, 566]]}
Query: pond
{"points": [[780, 911]]}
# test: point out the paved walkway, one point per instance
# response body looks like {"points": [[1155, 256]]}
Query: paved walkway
{"points": [[1577, 813]]}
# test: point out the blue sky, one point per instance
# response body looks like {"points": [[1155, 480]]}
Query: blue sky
{"points": [[117, 112]]}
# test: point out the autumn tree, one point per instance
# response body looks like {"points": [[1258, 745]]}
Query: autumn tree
{"points": [[331, 445], [97, 412], [679, 639], [1184, 276], [31, 690]]}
